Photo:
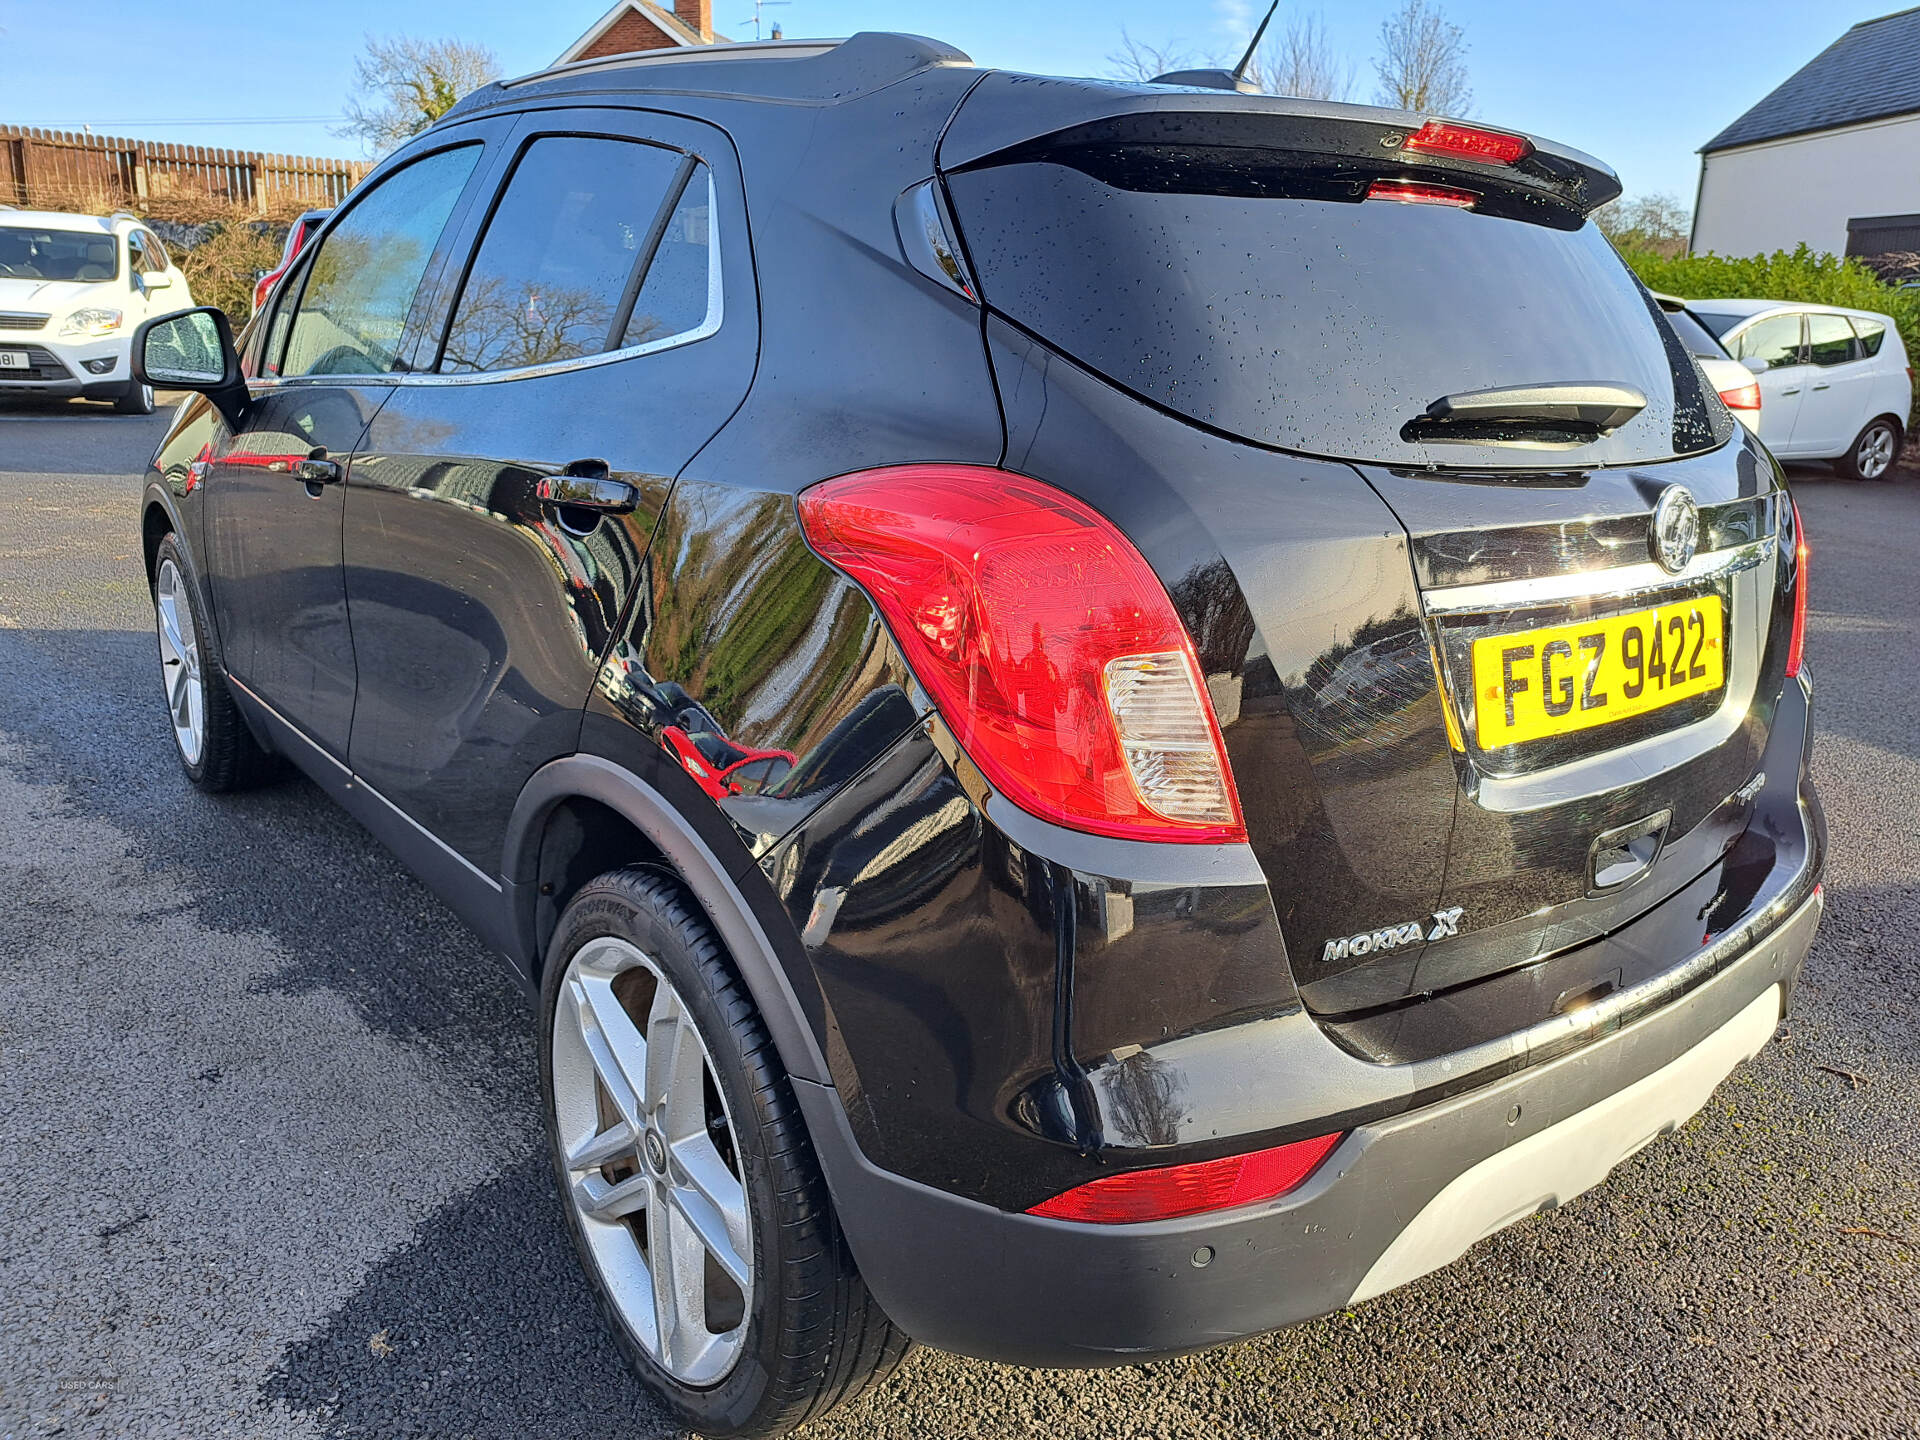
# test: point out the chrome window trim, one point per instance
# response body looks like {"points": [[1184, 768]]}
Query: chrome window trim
{"points": [[710, 325], [1620, 582]]}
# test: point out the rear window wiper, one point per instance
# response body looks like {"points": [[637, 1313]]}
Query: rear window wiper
{"points": [[1566, 412]]}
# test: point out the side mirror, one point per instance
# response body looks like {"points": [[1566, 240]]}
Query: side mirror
{"points": [[193, 350], [1756, 364], [157, 279]]}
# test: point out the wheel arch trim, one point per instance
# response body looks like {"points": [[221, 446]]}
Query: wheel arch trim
{"points": [[591, 777]]}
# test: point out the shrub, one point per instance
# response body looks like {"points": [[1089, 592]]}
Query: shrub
{"points": [[1797, 275]]}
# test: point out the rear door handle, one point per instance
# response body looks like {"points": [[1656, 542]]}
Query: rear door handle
{"points": [[317, 469], [1794, 391], [586, 485], [1823, 385]]}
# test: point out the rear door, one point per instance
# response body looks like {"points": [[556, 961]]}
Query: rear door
{"points": [[1280, 275], [596, 328], [1839, 388]]}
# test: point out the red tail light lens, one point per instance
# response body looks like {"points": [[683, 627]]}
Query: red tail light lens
{"points": [[1176, 1190], [1468, 142], [1742, 397], [1797, 641], [1045, 639], [1415, 192]]}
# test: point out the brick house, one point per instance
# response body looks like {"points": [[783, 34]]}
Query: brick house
{"points": [[642, 25]]}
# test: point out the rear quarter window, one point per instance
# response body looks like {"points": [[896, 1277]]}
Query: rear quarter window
{"points": [[1315, 324]]}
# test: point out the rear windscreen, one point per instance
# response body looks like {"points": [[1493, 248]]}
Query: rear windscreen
{"points": [[1322, 325]]}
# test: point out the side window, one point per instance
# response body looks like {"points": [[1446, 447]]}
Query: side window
{"points": [[554, 275], [674, 298], [1775, 340], [1829, 339], [1871, 333], [151, 256], [352, 311]]}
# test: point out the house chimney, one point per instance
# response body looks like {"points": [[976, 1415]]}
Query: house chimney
{"points": [[697, 16]]}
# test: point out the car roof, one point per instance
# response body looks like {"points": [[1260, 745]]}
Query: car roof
{"points": [[65, 220], [1748, 308]]}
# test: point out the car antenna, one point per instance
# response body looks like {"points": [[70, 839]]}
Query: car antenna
{"points": [[1234, 79]]}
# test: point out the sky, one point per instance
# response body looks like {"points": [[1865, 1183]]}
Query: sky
{"points": [[1639, 83]]}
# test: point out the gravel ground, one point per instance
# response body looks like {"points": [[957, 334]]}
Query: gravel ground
{"points": [[272, 1142]]}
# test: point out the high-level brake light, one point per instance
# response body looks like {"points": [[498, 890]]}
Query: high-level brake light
{"points": [[1467, 142], [1048, 644], [1171, 1191], [1418, 192]]}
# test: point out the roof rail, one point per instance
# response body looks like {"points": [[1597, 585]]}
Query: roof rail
{"points": [[684, 54], [123, 215], [754, 69]]}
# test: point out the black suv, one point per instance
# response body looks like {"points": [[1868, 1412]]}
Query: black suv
{"points": [[1106, 716]]}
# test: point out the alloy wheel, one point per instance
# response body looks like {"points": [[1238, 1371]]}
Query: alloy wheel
{"points": [[1875, 452], [653, 1175], [186, 688]]}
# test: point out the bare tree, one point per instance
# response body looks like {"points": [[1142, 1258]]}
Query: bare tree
{"points": [[407, 84], [1659, 223], [1302, 63], [1423, 62], [1135, 60]]}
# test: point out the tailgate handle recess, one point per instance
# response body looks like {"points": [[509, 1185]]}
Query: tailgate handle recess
{"points": [[1622, 855]]}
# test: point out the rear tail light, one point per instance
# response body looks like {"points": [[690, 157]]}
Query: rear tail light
{"points": [[1175, 1190], [1468, 142], [1046, 641], [1797, 640], [1416, 192], [1742, 397]]}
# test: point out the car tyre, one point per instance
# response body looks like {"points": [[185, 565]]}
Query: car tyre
{"points": [[210, 736], [1874, 450], [673, 1124], [136, 399]]}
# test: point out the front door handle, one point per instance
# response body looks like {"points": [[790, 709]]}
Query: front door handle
{"points": [[1823, 385], [317, 469], [587, 485]]}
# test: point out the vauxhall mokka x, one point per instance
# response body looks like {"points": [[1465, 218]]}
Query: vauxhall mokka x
{"points": [[1105, 716]]}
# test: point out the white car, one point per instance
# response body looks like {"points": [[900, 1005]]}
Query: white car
{"points": [[1834, 383], [73, 289], [1739, 390]]}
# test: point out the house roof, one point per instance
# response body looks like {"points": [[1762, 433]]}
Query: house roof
{"points": [[1870, 73], [660, 16]]}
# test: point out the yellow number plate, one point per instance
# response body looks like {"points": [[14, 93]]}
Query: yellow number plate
{"points": [[1563, 678]]}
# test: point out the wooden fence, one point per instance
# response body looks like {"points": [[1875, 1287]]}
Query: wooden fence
{"points": [[55, 170]]}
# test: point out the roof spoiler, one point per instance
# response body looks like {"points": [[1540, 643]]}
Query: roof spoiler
{"points": [[1008, 117]]}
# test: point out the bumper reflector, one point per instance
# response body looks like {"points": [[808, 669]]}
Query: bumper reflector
{"points": [[1175, 1190]]}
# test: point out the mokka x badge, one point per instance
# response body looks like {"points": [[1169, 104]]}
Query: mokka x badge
{"points": [[1674, 533], [1369, 942]]}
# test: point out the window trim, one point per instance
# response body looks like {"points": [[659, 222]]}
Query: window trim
{"points": [[716, 289]]}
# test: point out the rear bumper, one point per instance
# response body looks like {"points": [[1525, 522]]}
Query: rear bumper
{"points": [[1398, 1198]]}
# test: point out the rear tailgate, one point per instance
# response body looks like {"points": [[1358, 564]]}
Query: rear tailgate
{"points": [[1238, 262]]}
